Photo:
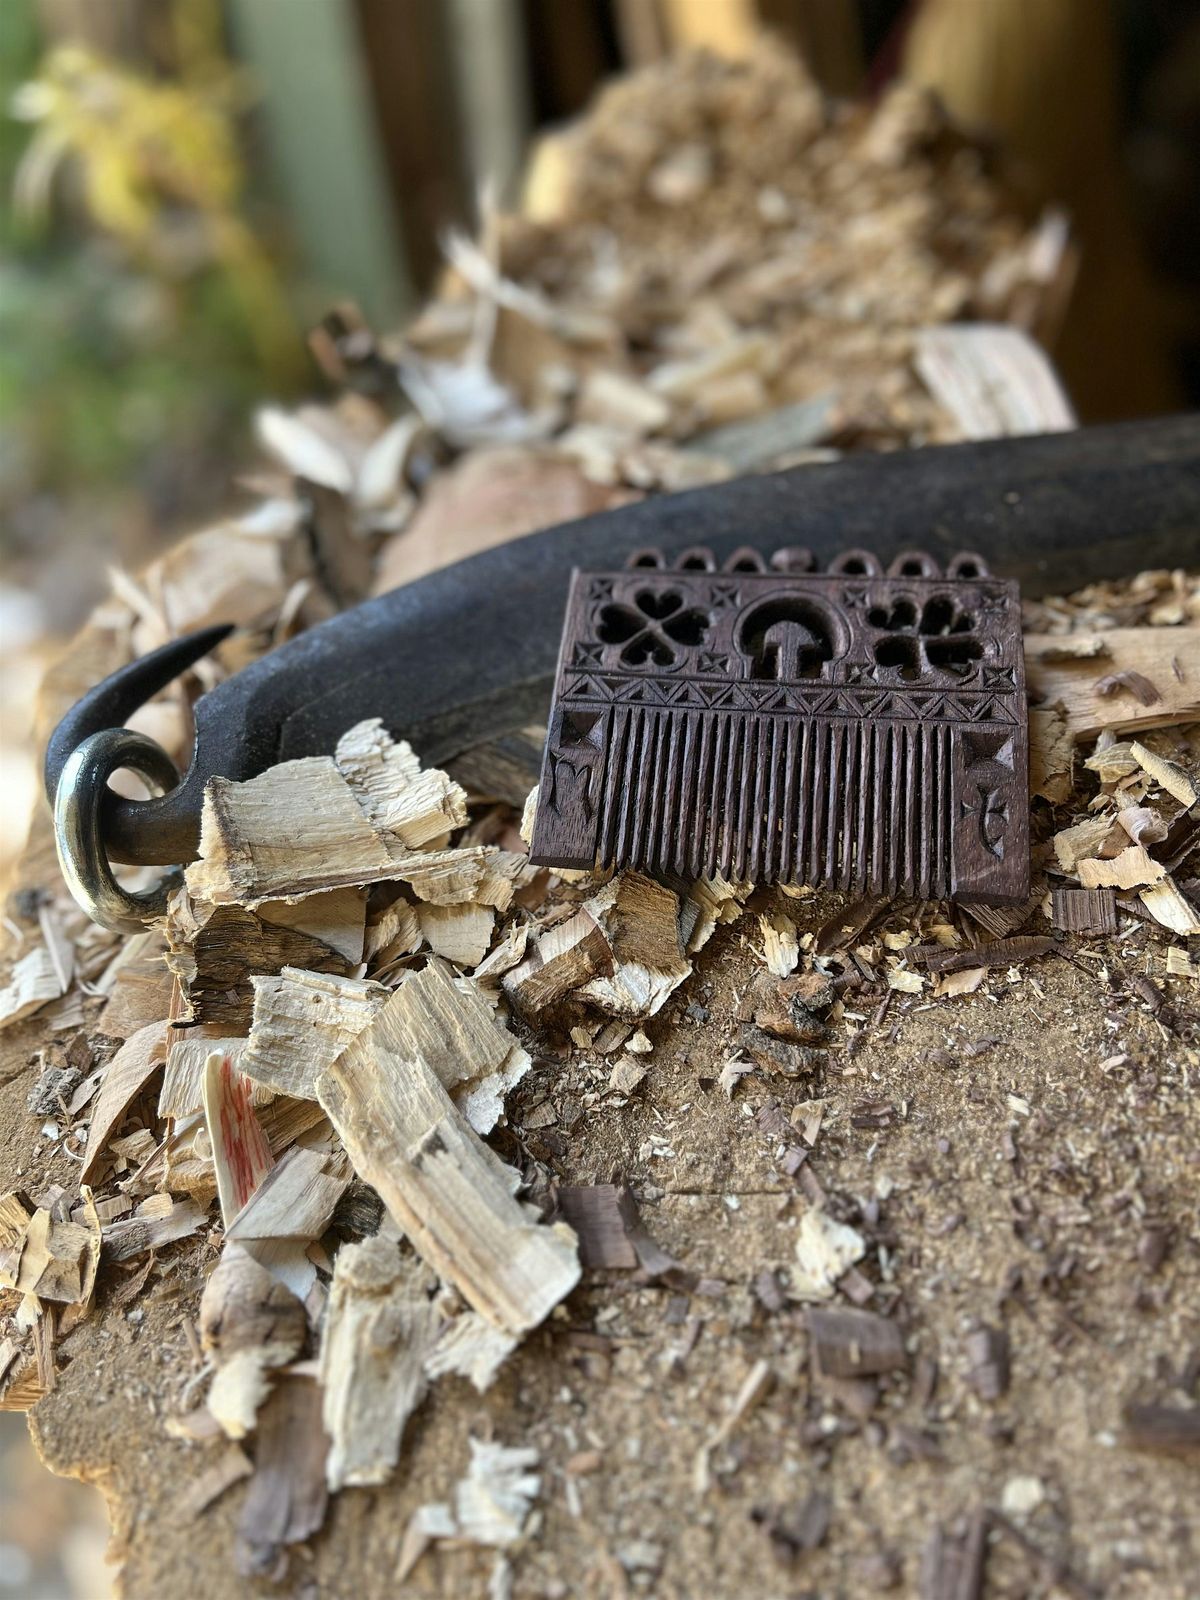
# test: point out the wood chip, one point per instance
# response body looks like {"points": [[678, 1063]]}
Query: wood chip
{"points": [[149, 1229], [781, 950], [1051, 754], [1128, 870], [564, 958], [34, 982], [1164, 1429], [336, 919], [1168, 775], [451, 1027], [640, 920], [594, 1212], [825, 1249], [988, 1362], [848, 1343], [1084, 910], [1080, 841], [380, 1326], [999, 953], [230, 1467], [295, 1200], [460, 933], [1171, 909], [127, 1076], [302, 1022], [1129, 682], [1142, 824], [182, 1091], [295, 830], [443, 1186], [414, 806]]}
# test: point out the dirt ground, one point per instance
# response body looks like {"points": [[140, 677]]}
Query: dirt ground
{"points": [[1038, 1171]]}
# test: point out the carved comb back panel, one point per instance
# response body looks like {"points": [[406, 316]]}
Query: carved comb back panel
{"points": [[853, 728]]}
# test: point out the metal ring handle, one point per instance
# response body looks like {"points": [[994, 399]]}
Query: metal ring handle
{"points": [[77, 801]]}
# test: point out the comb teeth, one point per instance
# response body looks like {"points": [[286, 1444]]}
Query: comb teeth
{"points": [[849, 728], [859, 806]]}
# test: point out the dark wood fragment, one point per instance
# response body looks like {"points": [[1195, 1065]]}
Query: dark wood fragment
{"points": [[1135, 683], [872, 1114], [988, 1369], [1169, 1430], [775, 1055], [1084, 910], [1183, 837], [792, 1009], [843, 728], [853, 1344], [285, 1502], [1000, 953], [795, 1529], [594, 1211]]}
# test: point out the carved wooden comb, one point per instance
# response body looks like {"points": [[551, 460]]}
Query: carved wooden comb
{"points": [[854, 728]]}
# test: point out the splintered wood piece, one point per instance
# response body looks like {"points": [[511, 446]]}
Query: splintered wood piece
{"points": [[295, 1200], [302, 1022], [35, 982], [471, 1348], [182, 1090], [241, 1155], [215, 952], [297, 829], [1170, 908], [125, 1077], [446, 1189], [847, 728], [401, 799], [379, 1327], [150, 1230], [1084, 910]]}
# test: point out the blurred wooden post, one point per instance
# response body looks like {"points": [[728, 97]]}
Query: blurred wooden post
{"points": [[324, 146], [487, 48]]}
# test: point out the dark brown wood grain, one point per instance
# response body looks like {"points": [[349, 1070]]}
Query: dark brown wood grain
{"points": [[853, 728]]}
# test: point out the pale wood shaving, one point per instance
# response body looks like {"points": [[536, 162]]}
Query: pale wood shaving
{"points": [[404, 802], [302, 1022], [781, 949], [127, 1075], [1168, 775], [35, 981], [380, 1326], [1170, 908], [1128, 870], [443, 1186], [460, 933]]}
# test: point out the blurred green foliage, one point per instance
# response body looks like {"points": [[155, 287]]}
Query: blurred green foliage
{"points": [[140, 314]]}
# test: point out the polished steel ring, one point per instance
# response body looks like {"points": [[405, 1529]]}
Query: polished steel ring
{"points": [[81, 854]]}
